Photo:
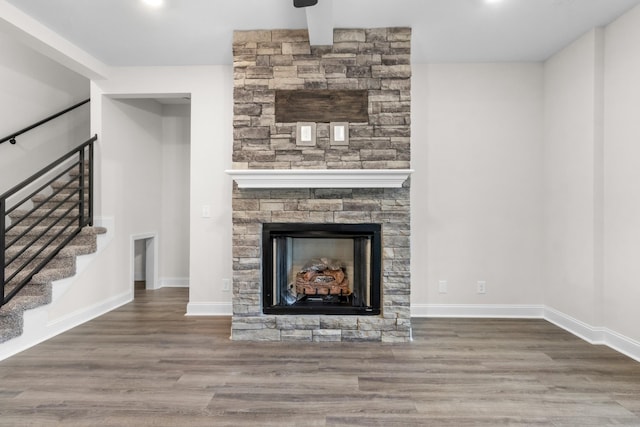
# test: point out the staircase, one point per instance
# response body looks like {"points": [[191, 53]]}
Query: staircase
{"points": [[44, 233]]}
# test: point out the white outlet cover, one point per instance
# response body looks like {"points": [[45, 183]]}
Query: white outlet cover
{"points": [[442, 286]]}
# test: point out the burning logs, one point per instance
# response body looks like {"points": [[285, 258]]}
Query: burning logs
{"points": [[322, 276]]}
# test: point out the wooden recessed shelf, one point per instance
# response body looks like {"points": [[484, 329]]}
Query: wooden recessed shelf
{"points": [[322, 106]]}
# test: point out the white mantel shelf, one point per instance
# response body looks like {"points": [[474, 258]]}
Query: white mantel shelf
{"points": [[319, 178]]}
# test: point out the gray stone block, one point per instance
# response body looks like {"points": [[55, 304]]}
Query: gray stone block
{"points": [[348, 35], [290, 35], [297, 322], [296, 335], [375, 35], [247, 109], [364, 336], [391, 71], [255, 334], [352, 217], [396, 336], [281, 60], [240, 37], [376, 324], [296, 48], [346, 47], [339, 322], [320, 205], [253, 323], [321, 217], [361, 205], [327, 335]]}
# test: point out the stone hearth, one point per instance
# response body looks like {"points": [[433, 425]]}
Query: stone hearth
{"points": [[377, 60]]}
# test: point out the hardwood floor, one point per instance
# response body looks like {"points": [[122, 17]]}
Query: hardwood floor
{"points": [[146, 364]]}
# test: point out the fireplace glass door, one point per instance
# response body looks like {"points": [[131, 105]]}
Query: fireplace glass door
{"points": [[321, 268]]}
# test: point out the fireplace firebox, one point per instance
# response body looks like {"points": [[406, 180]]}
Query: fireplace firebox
{"points": [[321, 268]]}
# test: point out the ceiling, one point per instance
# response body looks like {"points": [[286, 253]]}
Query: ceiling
{"points": [[199, 32]]}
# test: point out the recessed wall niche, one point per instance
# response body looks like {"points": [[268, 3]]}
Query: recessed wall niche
{"points": [[322, 106]]}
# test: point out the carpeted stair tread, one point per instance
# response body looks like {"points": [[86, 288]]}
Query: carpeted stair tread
{"points": [[67, 184], [9, 333], [46, 275], [57, 197], [52, 274], [47, 239], [26, 302], [33, 289], [38, 213], [77, 243], [70, 250], [11, 314], [38, 291], [39, 229]]}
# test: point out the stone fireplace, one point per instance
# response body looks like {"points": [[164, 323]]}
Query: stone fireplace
{"points": [[365, 297]]}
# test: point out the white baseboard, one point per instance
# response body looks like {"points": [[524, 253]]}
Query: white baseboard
{"points": [[209, 309], [622, 344], [85, 314], [578, 328], [591, 334], [478, 310], [174, 282]]}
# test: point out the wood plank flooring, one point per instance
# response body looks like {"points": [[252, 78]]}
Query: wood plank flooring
{"points": [[146, 364]]}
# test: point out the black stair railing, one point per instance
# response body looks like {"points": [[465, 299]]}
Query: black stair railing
{"points": [[42, 214], [12, 138]]}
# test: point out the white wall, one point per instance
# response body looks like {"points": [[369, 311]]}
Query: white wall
{"points": [[34, 87], [573, 179], [174, 230], [211, 94], [622, 176], [129, 189], [476, 192]]}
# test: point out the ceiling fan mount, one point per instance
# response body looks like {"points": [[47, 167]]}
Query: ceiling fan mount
{"points": [[304, 3]]}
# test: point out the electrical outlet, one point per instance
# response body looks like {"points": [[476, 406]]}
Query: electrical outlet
{"points": [[226, 285], [482, 287], [442, 286]]}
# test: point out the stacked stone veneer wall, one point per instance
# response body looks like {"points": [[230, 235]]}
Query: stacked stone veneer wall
{"points": [[377, 60]]}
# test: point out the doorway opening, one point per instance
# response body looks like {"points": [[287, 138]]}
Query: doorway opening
{"points": [[144, 249]]}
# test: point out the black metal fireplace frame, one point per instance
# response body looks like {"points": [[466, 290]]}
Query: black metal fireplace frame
{"points": [[271, 231]]}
